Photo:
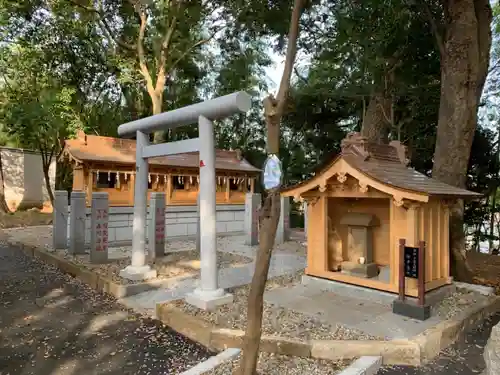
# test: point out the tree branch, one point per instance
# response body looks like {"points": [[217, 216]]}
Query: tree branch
{"points": [[160, 80], [301, 77], [437, 35], [140, 51], [104, 25], [494, 67], [484, 17], [291, 52], [191, 48]]}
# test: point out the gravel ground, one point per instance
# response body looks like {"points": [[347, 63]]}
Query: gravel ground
{"points": [[271, 364], [276, 320], [291, 247], [465, 357], [176, 264], [457, 303], [52, 324], [181, 261], [20, 219]]}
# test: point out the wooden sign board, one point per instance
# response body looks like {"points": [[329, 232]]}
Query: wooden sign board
{"points": [[411, 262]]}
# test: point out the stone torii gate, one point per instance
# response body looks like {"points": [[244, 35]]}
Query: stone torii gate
{"points": [[208, 294]]}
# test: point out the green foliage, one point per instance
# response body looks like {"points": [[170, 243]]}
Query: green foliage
{"points": [[69, 63], [36, 109]]}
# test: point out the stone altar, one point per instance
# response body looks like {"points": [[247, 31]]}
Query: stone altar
{"points": [[359, 244]]}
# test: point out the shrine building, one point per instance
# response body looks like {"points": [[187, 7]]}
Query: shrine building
{"points": [[359, 207], [106, 164]]}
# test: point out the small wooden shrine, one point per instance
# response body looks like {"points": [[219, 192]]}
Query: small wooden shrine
{"points": [[106, 164], [362, 203]]}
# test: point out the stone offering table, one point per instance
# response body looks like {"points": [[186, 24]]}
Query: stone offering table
{"points": [[359, 244]]}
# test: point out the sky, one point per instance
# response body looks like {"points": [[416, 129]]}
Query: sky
{"points": [[274, 72]]}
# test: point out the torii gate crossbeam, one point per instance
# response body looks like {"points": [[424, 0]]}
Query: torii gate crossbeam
{"points": [[208, 294]]}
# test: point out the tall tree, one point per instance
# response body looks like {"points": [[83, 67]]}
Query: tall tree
{"points": [[463, 37], [274, 109], [34, 106], [160, 36]]}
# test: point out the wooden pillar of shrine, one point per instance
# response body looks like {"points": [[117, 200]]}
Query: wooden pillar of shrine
{"points": [[78, 178], [168, 190], [317, 244], [412, 234], [228, 189], [90, 187]]}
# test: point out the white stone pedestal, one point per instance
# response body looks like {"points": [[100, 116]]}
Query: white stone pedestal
{"points": [[138, 273], [208, 299]]}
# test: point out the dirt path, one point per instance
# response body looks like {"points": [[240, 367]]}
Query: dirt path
{"points": [[51, 324], [463, 358]]}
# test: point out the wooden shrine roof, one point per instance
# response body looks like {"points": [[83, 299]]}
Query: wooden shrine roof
{"points": [[93, 148], [387, 165]]}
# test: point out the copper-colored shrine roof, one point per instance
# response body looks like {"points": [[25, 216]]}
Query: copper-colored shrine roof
{"points": [[387, 164], [93, 148]]}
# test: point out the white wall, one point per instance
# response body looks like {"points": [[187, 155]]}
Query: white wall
{"points": [[23, 178], [180, 221]]}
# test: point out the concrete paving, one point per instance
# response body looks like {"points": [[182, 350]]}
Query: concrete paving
{"points": [[353, 311], [281, 264]]}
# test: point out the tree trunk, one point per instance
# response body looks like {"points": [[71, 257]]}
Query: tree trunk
{"points": [[477, 237], [269, 218], [494, 196], [270, 212], [46, 176], [3, 203], [376, 121], [464, 65], [157, 100], [492, 217]]}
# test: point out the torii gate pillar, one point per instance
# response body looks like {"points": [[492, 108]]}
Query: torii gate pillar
{"points": [[208, 294]]}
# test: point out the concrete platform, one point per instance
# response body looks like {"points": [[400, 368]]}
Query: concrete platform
{"points": [[356, 308]]}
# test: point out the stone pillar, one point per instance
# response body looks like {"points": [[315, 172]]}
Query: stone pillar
{"points": [[60, 220], [208, 295], [252, 206], [283, 233], [99, 217], [138, 269], [156, 231], [78, 216], [198, 228]]}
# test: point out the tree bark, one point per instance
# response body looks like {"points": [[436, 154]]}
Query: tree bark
{"points": [[47, 183], [157, 100], [492, 216], [493, 196], [464, 64], [376, 120], [46, 161], [270, 212]]}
